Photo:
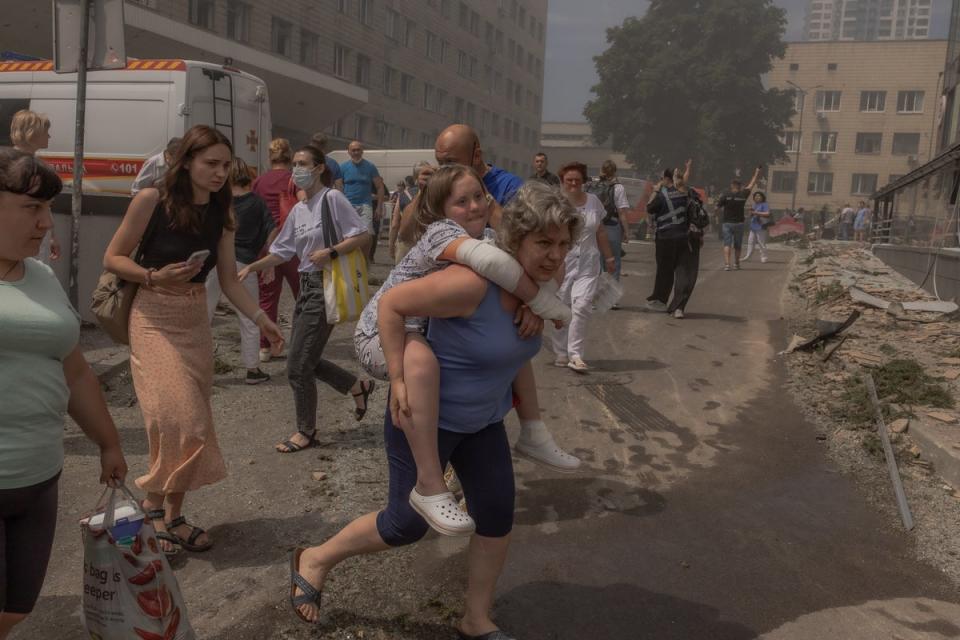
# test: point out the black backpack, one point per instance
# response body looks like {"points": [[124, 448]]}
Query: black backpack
{"points": [[604, 190]]}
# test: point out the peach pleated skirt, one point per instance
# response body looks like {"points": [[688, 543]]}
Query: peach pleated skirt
{"points": [[171, 361]]}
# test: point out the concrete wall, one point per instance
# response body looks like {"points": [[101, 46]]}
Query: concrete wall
{"points": [[914, 262]]}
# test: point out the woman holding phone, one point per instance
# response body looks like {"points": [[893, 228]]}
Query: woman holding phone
{"points": [[186, 229]]}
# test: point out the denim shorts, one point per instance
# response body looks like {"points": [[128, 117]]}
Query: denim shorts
{"points": [[732, 234]]}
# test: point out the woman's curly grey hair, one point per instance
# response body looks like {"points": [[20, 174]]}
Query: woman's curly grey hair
{"points": [[536, 207]]}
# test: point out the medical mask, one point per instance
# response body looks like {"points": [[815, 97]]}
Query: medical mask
{"points": [[303, 177]]}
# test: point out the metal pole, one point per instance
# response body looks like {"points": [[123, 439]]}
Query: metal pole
{"points": [[796, 164], [891, 460], [77, 199]]}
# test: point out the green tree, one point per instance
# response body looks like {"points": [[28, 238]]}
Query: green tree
{"points": [[684, 81]]}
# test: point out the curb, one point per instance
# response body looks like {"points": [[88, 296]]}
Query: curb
{"points": [[939, 444]]}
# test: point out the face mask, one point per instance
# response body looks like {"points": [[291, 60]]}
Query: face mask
{"points": [[303, 177]]}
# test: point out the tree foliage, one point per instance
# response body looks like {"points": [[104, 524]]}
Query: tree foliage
{"points": [[683, 82]]}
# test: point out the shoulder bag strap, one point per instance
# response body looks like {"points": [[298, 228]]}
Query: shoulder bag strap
{"points": [[150, 231], [330, 234]]}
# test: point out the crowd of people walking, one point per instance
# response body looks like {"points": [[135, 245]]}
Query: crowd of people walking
{"points": [[484, 262]]}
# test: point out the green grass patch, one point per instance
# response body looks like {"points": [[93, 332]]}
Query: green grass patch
{"points": [[903, 382]]}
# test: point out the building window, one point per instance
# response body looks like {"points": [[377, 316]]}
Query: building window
{"points": [[863, 184], [511, 50], [791, 141], [394, 26], [428, 96], [362, 75], [408, 30], [238, 20], [873, 101], [406, 88], [366, 12], [458, 109], [360, 126], [783, 182], [475, 23], [463, 63], [910, 102], [516, 133], [339, 61], [821, 183], [831, 66], [473, 68], [828, 101], [281, 37], [464, 16], [404, 137], [824, 142], [869, 142], [488, 35], [484, 120], [519, 59], [441, 99], [794, 66], [433, 46], [471, 115], [202, 12], [446, 8], [906, 144], [309, 48], [389, 73], [342, 6], [499, 41]]}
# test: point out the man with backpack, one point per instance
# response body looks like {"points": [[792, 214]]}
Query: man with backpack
{"points": [[614, 199]]}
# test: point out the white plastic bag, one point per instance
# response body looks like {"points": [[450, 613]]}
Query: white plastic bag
{"points": [[129, 590], [609, 292]]}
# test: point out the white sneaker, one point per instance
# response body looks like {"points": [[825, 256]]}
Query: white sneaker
{"points": [[265, 355], [548, 454], [655, 305], [678, 314], [578, 365], [442, 512], [561, 361]]}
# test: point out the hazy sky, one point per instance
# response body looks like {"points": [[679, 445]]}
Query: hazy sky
{"points": [[576, 31]]}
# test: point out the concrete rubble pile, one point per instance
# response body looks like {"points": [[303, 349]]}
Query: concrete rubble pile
{"points": [[896, 336]]}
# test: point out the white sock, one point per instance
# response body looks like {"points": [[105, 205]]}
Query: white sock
{"points": [[534, 431]]}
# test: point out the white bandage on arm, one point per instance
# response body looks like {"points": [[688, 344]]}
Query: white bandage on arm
{"points": [[490, 262], [548, 306]]}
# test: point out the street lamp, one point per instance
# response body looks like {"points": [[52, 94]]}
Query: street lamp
{"points": [[796, 163]]}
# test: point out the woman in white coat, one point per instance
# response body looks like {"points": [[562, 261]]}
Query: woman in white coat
{"points": [[582, 271]]}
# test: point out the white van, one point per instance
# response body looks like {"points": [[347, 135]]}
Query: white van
{"points": [[131, 115]]}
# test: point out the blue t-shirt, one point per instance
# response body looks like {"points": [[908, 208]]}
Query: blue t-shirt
{"points": [[756, 222], [333, 168], [358, 181], [501, 184]]}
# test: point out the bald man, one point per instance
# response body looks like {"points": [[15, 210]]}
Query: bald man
{"points": [[459, 144]]}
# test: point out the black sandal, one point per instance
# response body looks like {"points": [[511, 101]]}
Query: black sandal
{"points": [[158, 515], [190, 543], [365, 392], [310, 595], [293, 447]]}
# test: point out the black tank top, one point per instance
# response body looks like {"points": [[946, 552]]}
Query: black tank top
{"points": [[168, 245]]}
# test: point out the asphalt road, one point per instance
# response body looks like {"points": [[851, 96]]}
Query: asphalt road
{"points": [[708, 509]]}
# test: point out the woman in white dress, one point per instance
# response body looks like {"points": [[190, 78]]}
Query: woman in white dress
{"points": [[582, 268]]}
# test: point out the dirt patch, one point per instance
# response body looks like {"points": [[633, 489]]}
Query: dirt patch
{"points": [[908, 355]]}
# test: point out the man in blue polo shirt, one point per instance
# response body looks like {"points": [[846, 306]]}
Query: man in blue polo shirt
{"points": [[459, 144], [360, 180]]}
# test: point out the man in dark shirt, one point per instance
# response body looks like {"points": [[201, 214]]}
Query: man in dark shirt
{"points": [[540, 171], [733, 204]]}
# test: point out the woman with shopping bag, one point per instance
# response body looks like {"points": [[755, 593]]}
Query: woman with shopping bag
{"points": [[328, 237], [42, 374]]}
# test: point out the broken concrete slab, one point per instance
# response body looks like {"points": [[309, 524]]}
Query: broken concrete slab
{"points": [[896, 308], [941, 416], [938, 444], [900, 425]]}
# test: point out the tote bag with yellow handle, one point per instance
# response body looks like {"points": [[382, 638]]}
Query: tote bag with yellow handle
{"points": [[345, 289]]}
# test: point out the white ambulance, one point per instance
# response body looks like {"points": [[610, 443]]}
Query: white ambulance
{"points": [[131, 115]]}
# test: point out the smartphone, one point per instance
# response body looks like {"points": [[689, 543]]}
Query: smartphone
{"points": [[199, 256]]}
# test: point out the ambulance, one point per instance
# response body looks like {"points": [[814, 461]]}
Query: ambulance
{"points": [[131, 114]]}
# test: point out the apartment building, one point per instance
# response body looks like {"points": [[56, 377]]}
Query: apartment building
{"points": [[391, 73], [868, 20], [865, 116]]}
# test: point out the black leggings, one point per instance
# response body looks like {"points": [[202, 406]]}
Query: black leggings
{"points": [[28, 520], [678, 262]]}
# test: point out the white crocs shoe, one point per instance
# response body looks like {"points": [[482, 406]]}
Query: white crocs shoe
{"points": [[442, 512], [548, 454]]}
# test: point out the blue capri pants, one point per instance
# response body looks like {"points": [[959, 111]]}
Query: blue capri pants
{"points": [[484, 467]]}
